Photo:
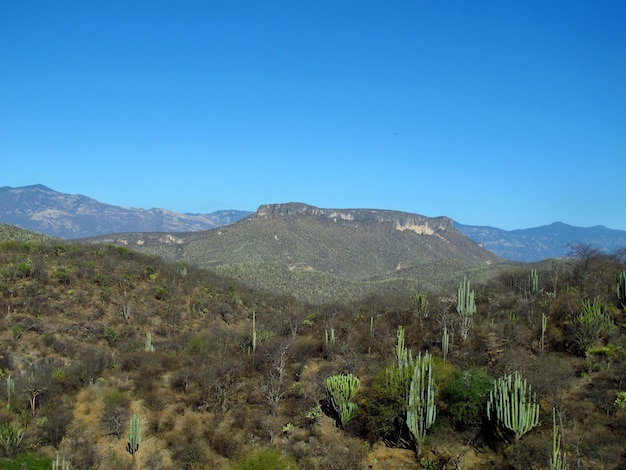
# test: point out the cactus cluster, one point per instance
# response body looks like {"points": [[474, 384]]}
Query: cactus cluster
{"points": [[466, 307], [512, 405], [341, 389], [421, 410]]}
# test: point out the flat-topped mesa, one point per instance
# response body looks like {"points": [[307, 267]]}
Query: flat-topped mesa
{"points": [[400, 220]]}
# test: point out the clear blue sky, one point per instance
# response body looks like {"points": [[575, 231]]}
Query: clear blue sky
{"points": [[503, 113]]}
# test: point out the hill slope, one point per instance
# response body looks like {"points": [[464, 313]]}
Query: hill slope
{"points": [[350, 243], [287, 248]]}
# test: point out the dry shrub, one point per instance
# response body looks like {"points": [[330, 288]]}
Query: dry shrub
{"points": [[227, 444]]}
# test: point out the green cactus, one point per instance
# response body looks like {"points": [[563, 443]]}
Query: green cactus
{"points": [[341, 389], [534, 281], [403, 355], [421, 410], [590, 324], [10, 391], [544, 325], [419, 305], [134, 435], [512, 406], [621, 288], [445, 343], [557, 459], [148, 346], [60, 464], [254, 337], [466, 307]]}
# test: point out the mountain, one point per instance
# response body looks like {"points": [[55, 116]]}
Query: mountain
{"points": [[41, 209], [350, 243], [293, 246], [548, 241]]}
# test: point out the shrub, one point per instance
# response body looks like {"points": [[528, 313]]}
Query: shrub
{"points": [[466, 396], [29, 461], [265, 459], [115, 412]]}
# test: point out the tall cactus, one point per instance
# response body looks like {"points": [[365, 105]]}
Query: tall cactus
{"points": [[134, 435], [511, 404], [466, 307], [557, 461], [621, 288], [341, 389], [403, 355], [419, 305], [421, 410], [60, 464], [445, 343], [148, 346], [533, 281], [10, 391]]}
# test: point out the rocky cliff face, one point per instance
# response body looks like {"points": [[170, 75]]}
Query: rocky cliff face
{"points": [[399, 220]]}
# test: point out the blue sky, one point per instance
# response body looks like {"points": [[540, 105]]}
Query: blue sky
{"points": [[503, 113]]}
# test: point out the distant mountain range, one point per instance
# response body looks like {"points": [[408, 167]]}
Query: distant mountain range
{"points": [[43, 210], [548, 241], [71, 216]]}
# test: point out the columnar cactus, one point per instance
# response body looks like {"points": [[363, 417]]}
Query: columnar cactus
{"points": [[557, 459], [148, 346], [534, 281], [466, 307], [445, 343], [403, 355], [421, 410], [419, 305], [134, 436], [621, 288], [341, 389], [60, 464], [511, 404]]}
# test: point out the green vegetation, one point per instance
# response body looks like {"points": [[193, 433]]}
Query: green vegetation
{"points": [[75, 369], [341, 391], [134, 435], [512, 406], [466, 307], [421, 410]]}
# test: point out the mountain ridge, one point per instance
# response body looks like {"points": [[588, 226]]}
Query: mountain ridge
{"points": [[72, 216], [43, 210]]}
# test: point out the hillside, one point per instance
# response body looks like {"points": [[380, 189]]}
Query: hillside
{"points": [[41, 209], [297, 242], [223, 377]]}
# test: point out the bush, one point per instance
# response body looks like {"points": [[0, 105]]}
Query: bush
{"points": [[265, 459], [115, 412], [30, 461], [466, 396]]}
